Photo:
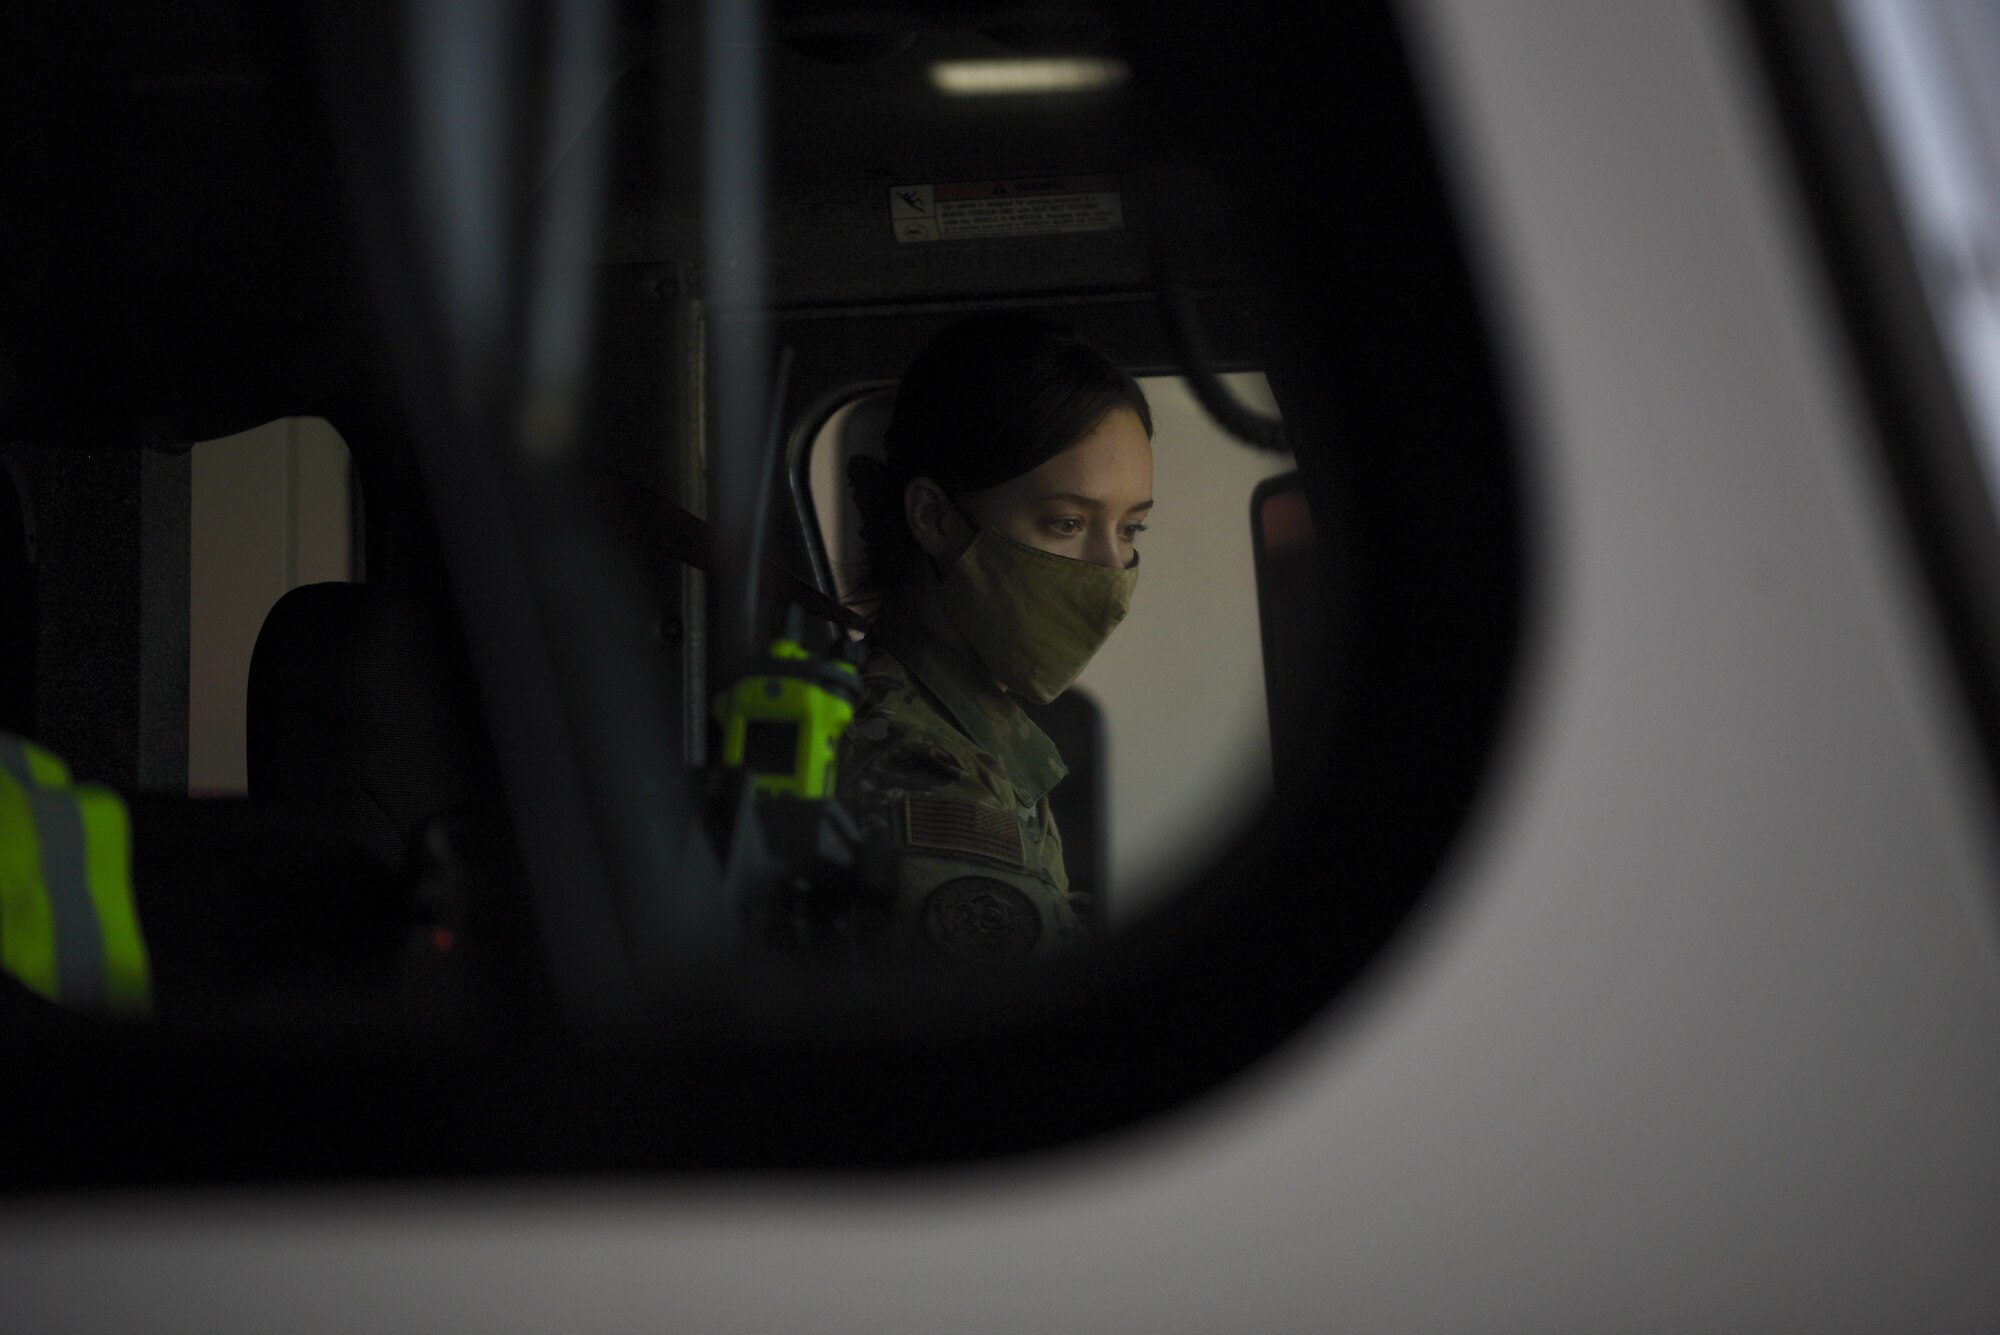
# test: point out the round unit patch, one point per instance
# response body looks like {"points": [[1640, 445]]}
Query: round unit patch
{"points": [[979, 918]]}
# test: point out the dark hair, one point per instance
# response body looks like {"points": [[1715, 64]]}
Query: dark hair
{"points": [[991, 397]]}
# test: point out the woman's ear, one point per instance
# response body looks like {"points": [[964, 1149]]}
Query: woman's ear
{"points": [[926, 509]]}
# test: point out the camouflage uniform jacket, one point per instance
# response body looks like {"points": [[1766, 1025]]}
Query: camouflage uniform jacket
{"points": [[949, 780]]}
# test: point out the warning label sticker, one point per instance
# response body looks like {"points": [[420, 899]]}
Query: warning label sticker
{"points": [[1025, 206]]}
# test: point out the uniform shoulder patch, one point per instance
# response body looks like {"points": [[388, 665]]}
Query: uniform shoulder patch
{"points": [[980, 919], [942, 825]]}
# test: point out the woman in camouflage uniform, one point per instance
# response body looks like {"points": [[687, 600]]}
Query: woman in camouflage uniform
{"points": [[999, 532]]}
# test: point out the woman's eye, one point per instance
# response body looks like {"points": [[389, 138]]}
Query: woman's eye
{"points": [[1132, 532], [1069, 526]]}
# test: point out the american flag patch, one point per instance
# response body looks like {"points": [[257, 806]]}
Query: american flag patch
{"points": [[939, 825]]}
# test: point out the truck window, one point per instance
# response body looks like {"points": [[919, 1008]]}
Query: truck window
{"points": [[270, 509]]}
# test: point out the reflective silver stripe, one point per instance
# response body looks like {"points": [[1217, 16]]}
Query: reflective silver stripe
{"points": [[65, 873], [14, 759]]}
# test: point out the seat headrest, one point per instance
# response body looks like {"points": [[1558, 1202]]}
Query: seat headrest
{"points": [[361, 703]]}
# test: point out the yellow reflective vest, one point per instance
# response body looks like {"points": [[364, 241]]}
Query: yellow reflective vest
{"points": [[68, 927]]}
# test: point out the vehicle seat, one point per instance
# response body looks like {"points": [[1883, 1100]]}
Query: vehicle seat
{"points": [[1074, 721], [361, 705], [360, 732], [361, 737]]}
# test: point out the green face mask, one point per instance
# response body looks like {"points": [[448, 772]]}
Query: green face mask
{"points": [[1034, 618]]}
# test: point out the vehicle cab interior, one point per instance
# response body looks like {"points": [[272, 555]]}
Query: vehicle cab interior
{"points": [[416, 418]]}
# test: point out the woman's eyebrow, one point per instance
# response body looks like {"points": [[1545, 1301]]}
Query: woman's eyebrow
{"points": [[1086, 502]]}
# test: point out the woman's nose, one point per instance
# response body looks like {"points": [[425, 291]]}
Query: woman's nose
{"points": [[1104, 549]]}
